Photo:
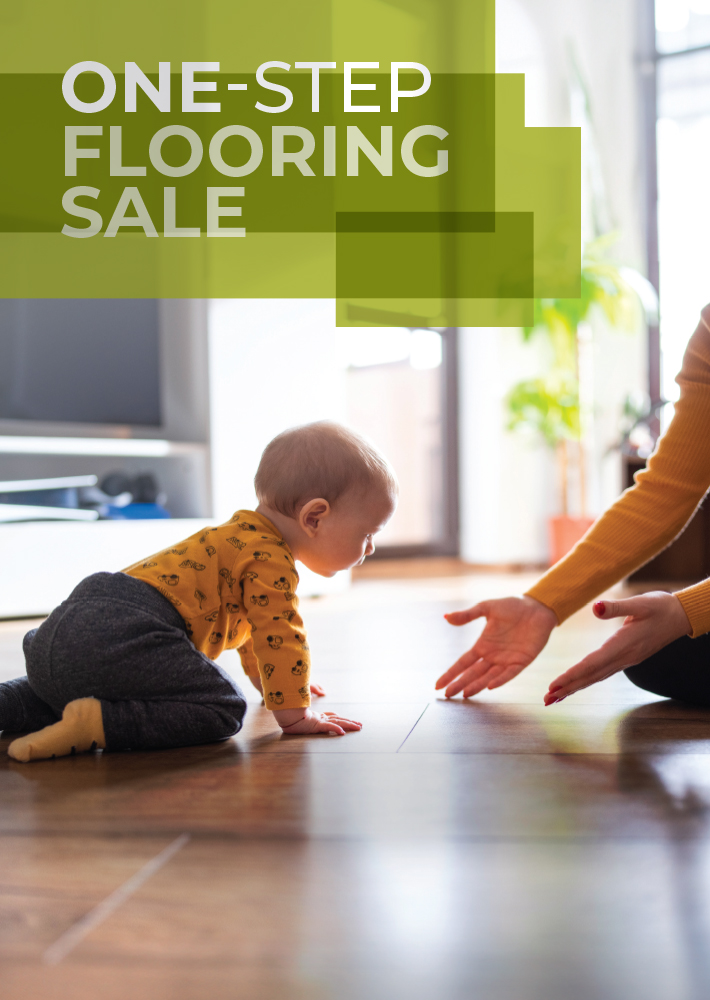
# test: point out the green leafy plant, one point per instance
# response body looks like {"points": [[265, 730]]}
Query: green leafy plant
{"points": [[550, 405]]}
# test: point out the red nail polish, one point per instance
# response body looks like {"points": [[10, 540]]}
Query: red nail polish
{"points": [[600, 607], [553, 702]]}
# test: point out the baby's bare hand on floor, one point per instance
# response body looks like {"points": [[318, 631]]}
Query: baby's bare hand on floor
{"points": [[321, 722]]}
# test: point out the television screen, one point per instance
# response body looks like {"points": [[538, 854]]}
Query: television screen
{"points": [[80, 360]]}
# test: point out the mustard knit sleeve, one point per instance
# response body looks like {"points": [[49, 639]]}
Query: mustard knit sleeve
{"points": [[278, 637], [696, 604], [650, 514]]}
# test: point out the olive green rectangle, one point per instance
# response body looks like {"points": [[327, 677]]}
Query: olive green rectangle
{"points": [[434, 312], [454, 264], [415, 222], [263, 265], [48, 36]]}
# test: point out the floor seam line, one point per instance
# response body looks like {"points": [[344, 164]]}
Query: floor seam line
{"points": [[413, 728], [75, 934]]}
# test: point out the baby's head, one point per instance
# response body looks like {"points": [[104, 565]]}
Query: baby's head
{"points": [[328, 491]]}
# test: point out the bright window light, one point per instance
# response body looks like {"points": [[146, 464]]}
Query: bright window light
{"points": [[425, 349], [369, 345], [672, 15], [700, 6], [684, 197]]}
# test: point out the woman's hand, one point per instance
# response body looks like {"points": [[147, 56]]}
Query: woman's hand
{"points": [[314, 722], [651, 622], [517, 629]]}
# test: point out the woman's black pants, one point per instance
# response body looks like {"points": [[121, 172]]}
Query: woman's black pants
{"points": [[680, 670]]}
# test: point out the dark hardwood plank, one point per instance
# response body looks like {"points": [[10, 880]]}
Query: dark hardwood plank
{"points": [[572, 727]]}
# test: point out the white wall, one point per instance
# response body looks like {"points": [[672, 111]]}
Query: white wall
{"points": [[274, 363], [507, 480]]}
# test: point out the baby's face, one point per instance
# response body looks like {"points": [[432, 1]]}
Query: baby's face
{"points": [[346, 536]]}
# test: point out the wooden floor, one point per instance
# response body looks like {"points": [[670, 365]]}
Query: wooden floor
{"points": [[492, 850]]}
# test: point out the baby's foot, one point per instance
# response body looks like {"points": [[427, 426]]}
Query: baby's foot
{"points": [[80, 729]]}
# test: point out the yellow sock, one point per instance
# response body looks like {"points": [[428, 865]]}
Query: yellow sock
{"points": [[81, 728]]}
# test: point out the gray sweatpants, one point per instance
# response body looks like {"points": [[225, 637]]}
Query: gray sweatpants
{"points": [[117, 639]]}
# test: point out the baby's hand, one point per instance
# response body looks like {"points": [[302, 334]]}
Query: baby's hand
{"points": [[315, 722], [317, 690]]}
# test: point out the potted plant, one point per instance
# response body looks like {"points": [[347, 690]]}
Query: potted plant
{"points": [[556, 405]]}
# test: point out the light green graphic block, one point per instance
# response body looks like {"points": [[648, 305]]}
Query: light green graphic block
{"points": [[363, 151]]}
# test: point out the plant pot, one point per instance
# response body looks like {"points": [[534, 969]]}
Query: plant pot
{"points": [[565, 532]]}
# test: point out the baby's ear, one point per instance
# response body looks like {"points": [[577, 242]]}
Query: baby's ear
{"points": [[312, 513]]}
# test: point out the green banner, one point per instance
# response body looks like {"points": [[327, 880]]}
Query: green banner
{"points": [[365, 151]]}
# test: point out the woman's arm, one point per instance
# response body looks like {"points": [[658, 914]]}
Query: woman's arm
{"points": [[651, 514], [642, 522]]}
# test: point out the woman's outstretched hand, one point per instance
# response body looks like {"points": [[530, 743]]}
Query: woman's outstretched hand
{"points": [[651, 621], [516, 630]]}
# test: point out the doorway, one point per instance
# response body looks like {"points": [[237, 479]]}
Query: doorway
{"points": [[401, 394]]}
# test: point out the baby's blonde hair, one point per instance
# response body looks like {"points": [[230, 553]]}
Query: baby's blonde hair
{"points": [[321, 460]]}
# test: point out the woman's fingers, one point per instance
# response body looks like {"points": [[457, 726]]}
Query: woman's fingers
{"points": [[482, 682], [593, 668], [471, 680], [469, 615], [504, 675], [463, 663], [483, 674]]}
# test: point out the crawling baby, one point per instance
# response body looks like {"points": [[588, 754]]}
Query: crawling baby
{"points": [[127, 661]]}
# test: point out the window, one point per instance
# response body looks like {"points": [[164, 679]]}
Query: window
{"points": [[401, 395], [682, 59]]}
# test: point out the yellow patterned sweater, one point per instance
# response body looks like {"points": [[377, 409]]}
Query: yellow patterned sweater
{"points": [[650, 514], [235, 587]]}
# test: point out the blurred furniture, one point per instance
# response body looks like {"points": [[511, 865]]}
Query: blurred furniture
{"points": [[686, 559], [93, 387], [46, 559]]}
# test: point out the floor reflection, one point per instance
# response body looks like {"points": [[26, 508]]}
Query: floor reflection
{"points": [[216, 786], [664, 760]]}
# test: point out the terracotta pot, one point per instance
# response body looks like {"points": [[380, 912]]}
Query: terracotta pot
{"points": [[565, 532]]}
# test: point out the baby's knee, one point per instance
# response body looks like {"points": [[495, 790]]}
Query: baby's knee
{"points": [[28, 640], [229, 717]]}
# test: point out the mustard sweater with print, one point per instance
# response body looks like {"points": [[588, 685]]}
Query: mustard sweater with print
{"points": [[235, 587], [651, 513]]}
